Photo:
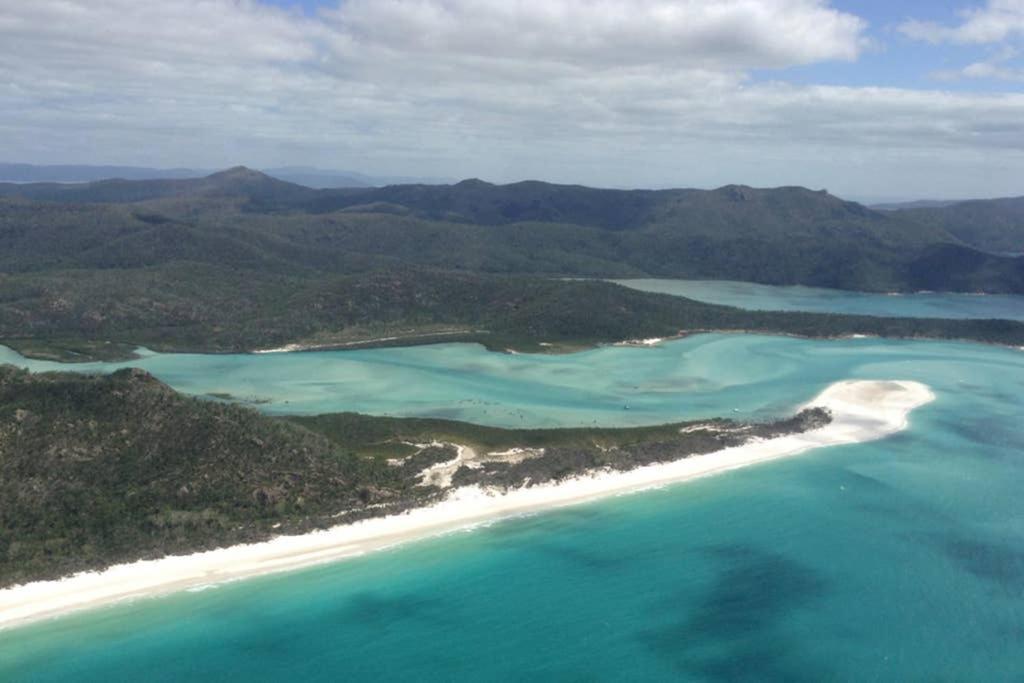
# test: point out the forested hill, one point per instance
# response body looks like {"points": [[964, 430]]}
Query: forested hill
{"points": [[994, 225], [243, 218]]}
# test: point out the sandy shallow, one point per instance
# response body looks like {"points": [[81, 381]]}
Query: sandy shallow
{"points": [[862, 411]]}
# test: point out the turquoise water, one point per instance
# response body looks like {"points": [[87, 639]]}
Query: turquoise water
{"points": [[897, 560], [816, 300], [691, 378]]}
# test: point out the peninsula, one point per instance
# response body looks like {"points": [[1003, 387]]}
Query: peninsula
{"points": [[435, 486]]}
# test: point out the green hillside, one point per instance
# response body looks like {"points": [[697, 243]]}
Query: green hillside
{"points": [[993, 225], [244, 219]]}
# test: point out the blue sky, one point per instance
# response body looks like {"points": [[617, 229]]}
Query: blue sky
{"points": [[870, 98], [305, 5], [896, 60]]}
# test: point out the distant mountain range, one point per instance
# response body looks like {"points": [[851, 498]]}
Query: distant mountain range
{"points": [[239, 260], [787, 235], [301, 175], [916, 204]]}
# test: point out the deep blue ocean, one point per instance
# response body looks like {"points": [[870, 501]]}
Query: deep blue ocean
{"points": [[899, 560]]}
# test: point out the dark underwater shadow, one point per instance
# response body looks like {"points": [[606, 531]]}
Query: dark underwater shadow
{"points": [[733, 632]]}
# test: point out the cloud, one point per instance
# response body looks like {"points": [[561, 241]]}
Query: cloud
{"points": [[993, 71], [995, 22], [614, 92], [995, 25], [1001, 66], [604, 33]]}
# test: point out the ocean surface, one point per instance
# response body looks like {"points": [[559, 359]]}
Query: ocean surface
{"points": [[817, 300], [899, 560]]}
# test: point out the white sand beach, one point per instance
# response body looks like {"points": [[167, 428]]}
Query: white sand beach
{"points": [[862, 411]]}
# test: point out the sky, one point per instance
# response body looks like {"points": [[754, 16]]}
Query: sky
{"points": [[870, 99]]}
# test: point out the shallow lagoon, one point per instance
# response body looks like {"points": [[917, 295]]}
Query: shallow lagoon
{"points": [[700, 376]]}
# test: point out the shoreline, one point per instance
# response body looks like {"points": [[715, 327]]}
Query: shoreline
{"points": [[469, 337], [300, 347], [861, 410]]}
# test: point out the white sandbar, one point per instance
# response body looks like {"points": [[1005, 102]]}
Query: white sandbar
{"points": [[861, 411]]}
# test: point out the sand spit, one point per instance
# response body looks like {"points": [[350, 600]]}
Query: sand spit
{"points": [[862, 411]]}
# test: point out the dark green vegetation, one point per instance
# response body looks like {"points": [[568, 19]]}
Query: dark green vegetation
{"points": [[787, 235], [239, 260], [392, 437], [190, 307], [553, 453], [97, 470], [994, 225]]}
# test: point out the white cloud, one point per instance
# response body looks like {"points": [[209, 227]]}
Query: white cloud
{"points": [[995, 22], [997, 25], [993, 71], [692, 33], [619, 92], [1002, 66]]}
